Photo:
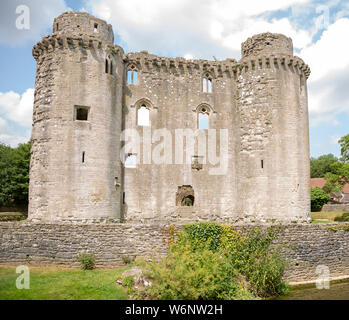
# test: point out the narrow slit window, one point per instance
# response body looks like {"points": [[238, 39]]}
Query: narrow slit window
{"points": [[262, 164], [111, 67], [123, 198], [83, 157], [81, 113], [106, 66], [57, 27], [143, 116]]}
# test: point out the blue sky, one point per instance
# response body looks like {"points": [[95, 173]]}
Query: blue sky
{"points": [[193, 29]]}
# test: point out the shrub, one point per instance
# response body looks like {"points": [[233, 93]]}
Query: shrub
{"points": [[212, 261], [87, 261], [126, 259], [343, 218], [318, 198]]}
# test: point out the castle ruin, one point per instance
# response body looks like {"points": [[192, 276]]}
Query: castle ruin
{"points": [[88, 93]]}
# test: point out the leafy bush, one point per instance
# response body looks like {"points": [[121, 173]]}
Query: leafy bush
{"points": [[87, 261], [343, 218], [318, 198], [212, 261]]}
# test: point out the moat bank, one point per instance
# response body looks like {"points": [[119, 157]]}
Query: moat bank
{"points": [[308, 246], [336, 291]]}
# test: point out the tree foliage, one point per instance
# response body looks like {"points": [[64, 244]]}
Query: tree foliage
{"points": [[344, 143], [14, 174], [318, 198], [321, 165]]}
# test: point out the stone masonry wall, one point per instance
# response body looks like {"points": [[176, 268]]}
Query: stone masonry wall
{"points": [[22, 242], [335, 207]]}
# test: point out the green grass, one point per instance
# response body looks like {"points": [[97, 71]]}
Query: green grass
{"points": [[12, 214], [330, 216], [321, 221], [55, 283]]}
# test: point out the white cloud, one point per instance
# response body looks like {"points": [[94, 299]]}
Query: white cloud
{"points": [[329, 81], [203, 28], [16, 117], [41, 15], [12, 140], [17, 108]]}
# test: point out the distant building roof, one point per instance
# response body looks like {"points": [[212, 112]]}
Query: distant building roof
{"points": [[320, 183]]}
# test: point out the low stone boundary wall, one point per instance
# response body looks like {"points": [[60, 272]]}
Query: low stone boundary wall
{"points": [[33, 243], [335, 207]]}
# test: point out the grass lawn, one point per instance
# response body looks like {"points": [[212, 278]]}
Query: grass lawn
{"points": [[325, 217], [58, 283], [12, 214]]}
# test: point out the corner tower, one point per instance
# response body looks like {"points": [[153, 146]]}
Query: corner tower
{"points": [[272, 104], [75, 164]]}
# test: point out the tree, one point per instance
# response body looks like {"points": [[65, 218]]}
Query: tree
{"points": [[337, 178], [318, 198], [321, 165], [14, 174], [344, 143]]}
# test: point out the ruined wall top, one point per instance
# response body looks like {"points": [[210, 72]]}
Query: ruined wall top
{"points": [[81, 23], [267, 43]]}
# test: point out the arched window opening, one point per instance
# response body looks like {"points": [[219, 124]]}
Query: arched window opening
{"points": [[143, 116], [131, 161], [108, 65], [185, 196], [132, 75], [188, 201], [207, 83], [203, 118]]}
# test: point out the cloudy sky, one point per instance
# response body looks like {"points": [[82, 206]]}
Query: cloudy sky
{"points": [[193, 29]]}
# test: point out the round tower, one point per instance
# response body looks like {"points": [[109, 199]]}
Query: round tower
{"points": [[272, 104], [75, 169]]}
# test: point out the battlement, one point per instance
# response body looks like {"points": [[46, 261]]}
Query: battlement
{"points": [[145, 61], [81, 23], [267, 43], [50, 43]]}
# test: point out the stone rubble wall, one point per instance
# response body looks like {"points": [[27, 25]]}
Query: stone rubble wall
{"points": [[335, 207], [24, 242]]}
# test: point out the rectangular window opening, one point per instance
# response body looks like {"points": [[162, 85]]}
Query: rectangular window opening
{"points": [[83, 157], [95, 29], [81, 113]]}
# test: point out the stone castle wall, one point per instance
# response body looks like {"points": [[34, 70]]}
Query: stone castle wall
{"points": [[259, 103], [23, 243]]}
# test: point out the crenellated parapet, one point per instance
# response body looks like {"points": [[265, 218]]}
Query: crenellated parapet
{"points": [[286, 62], [50, 43], [149, 62]]}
